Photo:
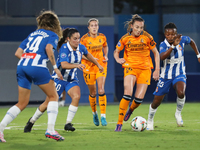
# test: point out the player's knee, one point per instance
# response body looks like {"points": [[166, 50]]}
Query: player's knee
{"points": [[138, 100], [127, 97], [181, 94], [101, 91]]}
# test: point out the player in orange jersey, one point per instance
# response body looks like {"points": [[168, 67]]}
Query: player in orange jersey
{"points": [[137, 65], [96, 44]]}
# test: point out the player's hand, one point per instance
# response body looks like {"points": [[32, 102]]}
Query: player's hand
{"points": [[156, 74], [105, 59], [81, 66], [101, 69], [120, 60], [57, 71], [177, 39]]}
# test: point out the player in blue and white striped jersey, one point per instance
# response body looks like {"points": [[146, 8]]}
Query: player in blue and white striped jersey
{"points": [[69, 59], [172, 71], [33, 53]]}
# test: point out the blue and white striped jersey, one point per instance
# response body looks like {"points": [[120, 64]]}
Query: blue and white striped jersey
{"points": [[34, 47], [174, 65], [67, 54]]}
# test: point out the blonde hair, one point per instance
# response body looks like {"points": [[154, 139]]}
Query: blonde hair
{"points": [[134, 18], [93, 19], [48, 20]]}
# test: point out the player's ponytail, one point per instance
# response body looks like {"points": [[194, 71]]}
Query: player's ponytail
{"points": [[134, 18]]}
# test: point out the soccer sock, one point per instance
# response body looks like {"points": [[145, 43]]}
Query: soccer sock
{"points": [[92, 101], [102, 104], [10, 116], [36, 116], [180, 104], [52, 112], [123, 108], [151, 113], [136, 102], [71, 113]]}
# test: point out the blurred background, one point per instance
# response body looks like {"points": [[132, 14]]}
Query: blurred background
{"points": [[17, 20]]}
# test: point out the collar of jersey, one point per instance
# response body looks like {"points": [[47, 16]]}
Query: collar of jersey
{"points": [[167, 43], [70, 48], [90, 36]]}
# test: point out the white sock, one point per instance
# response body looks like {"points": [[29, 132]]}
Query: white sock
{"points": [[151, 113], [94, 112], [180, 104], [103, 115], [52, 111], [71, 113], [36, 116], [10, 116]]}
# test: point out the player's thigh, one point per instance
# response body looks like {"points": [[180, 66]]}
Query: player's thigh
{"points": [[50, 90], [129, 82], [101, 79]]}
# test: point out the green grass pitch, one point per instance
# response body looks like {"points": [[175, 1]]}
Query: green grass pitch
{"points": [[87, 136]]}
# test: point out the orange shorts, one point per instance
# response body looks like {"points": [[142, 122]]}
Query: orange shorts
{"points": [[90, 79], [143, 76]]}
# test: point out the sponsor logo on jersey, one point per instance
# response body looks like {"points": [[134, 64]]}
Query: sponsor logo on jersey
{"points": [[29, 55], [63, 55], [56, 41]]}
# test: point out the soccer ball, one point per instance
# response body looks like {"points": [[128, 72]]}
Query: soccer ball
{"points": [[138, 124]]}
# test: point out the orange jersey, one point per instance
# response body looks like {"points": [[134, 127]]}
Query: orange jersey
{"points": [[95, 47], [137, 50]]}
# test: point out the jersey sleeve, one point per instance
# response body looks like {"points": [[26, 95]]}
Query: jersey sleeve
{"points": [[186, 39], [120, 45], [53, 40], [23, 44], [82, 41], [64, 54], [105, 43], [162, 48]]}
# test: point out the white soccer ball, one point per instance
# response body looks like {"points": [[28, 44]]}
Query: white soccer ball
{"points": [[138, 124]]}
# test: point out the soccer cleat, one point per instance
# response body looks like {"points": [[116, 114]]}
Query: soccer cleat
{"points": [[150, 125], [179, 120], [2, 137], [68, 127], [128, 114], [96, 119], [103, 121], [28, 126], [118, 128], [54, 135]]}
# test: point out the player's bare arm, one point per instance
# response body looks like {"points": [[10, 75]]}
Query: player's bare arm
{"points": [[156, 73], [116, 56], [19, 53]]}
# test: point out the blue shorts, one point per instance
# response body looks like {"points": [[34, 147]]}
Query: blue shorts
{"points": [[164, 85], [28, 74], [62, 85]]}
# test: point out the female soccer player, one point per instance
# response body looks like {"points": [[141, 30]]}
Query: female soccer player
{"points": [[172, 71], [96, 44], [70, 54], [137, 65], [33, 53]]}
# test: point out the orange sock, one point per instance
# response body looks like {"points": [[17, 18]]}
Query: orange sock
{"points": [[122, 110], [134, 105], [92, 101], [102, 103]]}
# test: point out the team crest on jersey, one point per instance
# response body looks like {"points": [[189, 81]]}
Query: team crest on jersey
{"points": [[100, 40], [179, 47], [129, 42], [90, 43], [63, 55], [56, 41], [142, 41], [119, 44], [161, 48]]}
